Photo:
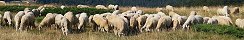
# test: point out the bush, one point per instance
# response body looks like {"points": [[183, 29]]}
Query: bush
{"points": [[219, 29], [89, 11], [15, 8]]}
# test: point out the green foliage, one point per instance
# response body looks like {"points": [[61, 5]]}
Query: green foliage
{"points": [[89, 11], [39, 19], [219, 29], [15, 8]]}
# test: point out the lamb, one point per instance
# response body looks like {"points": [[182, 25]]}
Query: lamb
{"points": [[47, 21], [7, 17], [17, 18]]}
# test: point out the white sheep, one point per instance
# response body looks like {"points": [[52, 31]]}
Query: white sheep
{"points": [[151, 22], [58, 19], [169, 8], [27, 21], [118, 23], [239, 23], [17, 19], [164, 22], [205, 9], [101, 7], [62, 7], [133, 9], [224, 12], [190, 20], [7, 17], [72, 19], [82, 6], [141, 21], [101, 22], [223, 20], [65, 26], [47, 21], [83, 19], [77, 15]]}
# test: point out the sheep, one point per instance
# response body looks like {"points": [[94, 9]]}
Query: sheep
{"points": [[82, 6], [212, 21], [169, 8], [58, 19], [65, 26], [47, 21], [151, 22], [116, 12], [224, 12], [7, 17], [134, 23], [62, 7], [118, 23], [27, 21], [17, 19], [83, 19], [101, 22], [223, 20], [114, 7], [205, 9], [164, 22], [72, 19], [36, 12], [205, 19], [141, 21], [133, 9], [176, 19], [101, 7], [239, 23], [190, 20], [26, 10], [161, 14], [92, 23], [199, 19], [235, 10], [139, 12]]}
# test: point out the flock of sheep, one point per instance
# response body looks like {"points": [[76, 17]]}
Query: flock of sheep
{"points": [[120, 23]]}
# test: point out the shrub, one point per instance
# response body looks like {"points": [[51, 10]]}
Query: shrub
{"points": [[15, 8], [219, 29]]}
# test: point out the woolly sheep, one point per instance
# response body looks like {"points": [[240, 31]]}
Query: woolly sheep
{"points": [[17, 19], [169, 8], [118, 23], [205, 9], [239, 23], [92, 23], [133, 9], [190, 20], [7, 17], [101, 22], [64, 26], [72, 19], [27, 21], [101, 7], [151, 22], [83, 19], [58, 20], [47, 21], [82, 6], [224, 12], [235, 10], [164, 22], [223, 20], [141, 21]]}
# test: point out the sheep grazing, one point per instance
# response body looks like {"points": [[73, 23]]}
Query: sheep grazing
{"points": [[92, 23], [17, 19], [223, 20], [83, 19], [62, 7], [7, 17], [151, 22], [224, 11], [205, 19], [205, 9], [58, 20], [169, 8], [190, 20], [101, 7], [47, 21], [235, 10], [164, 22], [65, 26], [141, 21], [118, 23], [239, 23], [72, 19], [27, 21], [82, 6], [101, 22]]}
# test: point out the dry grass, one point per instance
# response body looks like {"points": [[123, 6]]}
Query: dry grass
{"points": [[8, 33]]}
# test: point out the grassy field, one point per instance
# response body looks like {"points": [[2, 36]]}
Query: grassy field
{"points": [[9, 33]]}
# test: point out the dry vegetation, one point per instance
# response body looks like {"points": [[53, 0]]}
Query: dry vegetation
{"points": [[8, 33]]}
